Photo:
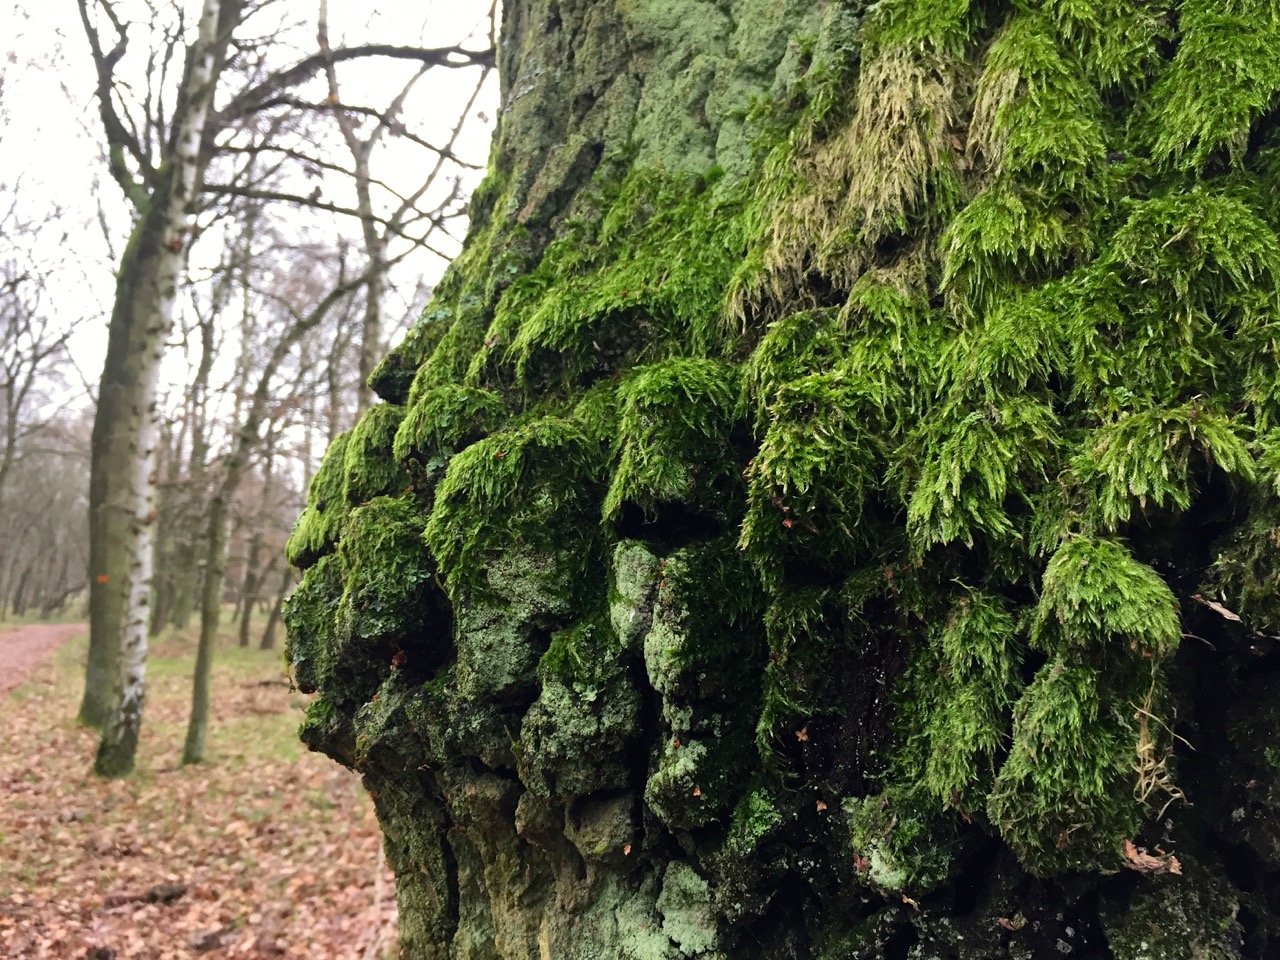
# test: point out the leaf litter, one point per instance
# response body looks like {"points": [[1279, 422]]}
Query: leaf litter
{"points": [[265, 851]]}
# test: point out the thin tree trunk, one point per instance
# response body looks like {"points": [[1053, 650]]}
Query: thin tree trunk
{"points": [[249, 585], [268, 641], [215, 560], [216, 534]]}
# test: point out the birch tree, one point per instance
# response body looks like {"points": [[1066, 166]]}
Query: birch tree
{"points": [[159, 171]]}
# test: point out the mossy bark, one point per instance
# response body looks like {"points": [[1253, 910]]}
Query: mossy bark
{"points": [[829, 508]]}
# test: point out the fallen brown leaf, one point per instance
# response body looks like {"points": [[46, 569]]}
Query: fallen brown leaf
{"points": [[1139, 860]]}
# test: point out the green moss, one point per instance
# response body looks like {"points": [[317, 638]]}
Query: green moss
{"points": [[754, 818], [1064, 798], [1116, 41], [1246, 569], [443, 420], [310, 616], [948, 24], [818, 459], [1223, 77], [703, 656], [1005, 238], [328, 730], [673, 439], [388, 574], [371, 469], [1094, 592], [575, 736], [978, 468], [634, 582], [317, 530], [1146, 459], [646, 278], [970, 692], [901, 845], [516, 488]]}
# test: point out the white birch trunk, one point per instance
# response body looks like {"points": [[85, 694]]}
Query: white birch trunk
{"points": [[155, 306]]}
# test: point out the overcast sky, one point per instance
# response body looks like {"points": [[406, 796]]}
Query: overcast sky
{"points": [[48, 141]]}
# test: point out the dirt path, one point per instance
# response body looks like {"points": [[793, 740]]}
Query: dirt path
{"points": [[22, 649]]}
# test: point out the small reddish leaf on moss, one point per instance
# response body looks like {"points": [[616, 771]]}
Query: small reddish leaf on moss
{"points": [[499, 454], [399, 659], [788, 523], [675, 744], [861, 862], [103, 578], [697, 791]]}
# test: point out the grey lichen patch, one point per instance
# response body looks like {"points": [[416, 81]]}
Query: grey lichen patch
{"points": [[498, 651], [901, 845], [575, 736], [503, 626], [604, 829], [635, 582], [702, 668], [688, 917]]}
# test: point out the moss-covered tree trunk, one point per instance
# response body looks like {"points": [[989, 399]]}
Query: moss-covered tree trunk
{"points": [[830, 508]]}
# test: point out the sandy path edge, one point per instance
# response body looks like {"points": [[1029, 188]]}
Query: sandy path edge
{"points": [[22, 649]]}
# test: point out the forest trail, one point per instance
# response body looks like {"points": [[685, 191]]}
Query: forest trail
{"points": [[23, 648]]}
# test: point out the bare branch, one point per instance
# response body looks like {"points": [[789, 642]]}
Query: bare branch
{"points": [[251, 99]]}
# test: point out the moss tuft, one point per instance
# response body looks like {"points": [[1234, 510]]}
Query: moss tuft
{"points": [[442, 421], [1095, 592], [371, 470], [1064, 797], [515, 488], [674, 442], [317, 530]]}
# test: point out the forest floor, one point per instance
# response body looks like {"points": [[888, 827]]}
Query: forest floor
{"points": [[263, 851]]}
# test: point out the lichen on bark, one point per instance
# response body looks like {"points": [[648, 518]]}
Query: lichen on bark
{"points": [[829, 508]]}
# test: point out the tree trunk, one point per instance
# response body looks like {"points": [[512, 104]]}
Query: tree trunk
{"points": [[839, 460], [117, 423], [215, 560], [249, 585], [268, 641], [124, 464]]}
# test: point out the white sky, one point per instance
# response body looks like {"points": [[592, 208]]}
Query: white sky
{"points": [[49, 149]]}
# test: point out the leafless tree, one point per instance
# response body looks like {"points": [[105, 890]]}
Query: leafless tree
{"points": [[205, 107]]}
